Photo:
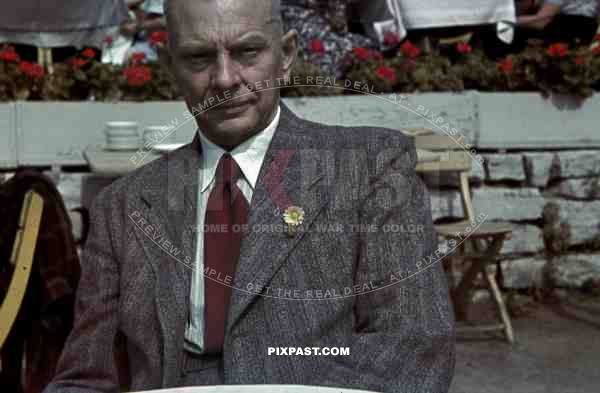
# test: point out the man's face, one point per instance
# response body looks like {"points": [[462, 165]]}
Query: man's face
{"points": [[225, 48]]}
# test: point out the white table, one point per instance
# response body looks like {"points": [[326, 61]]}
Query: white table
{"points": [[258, 389], [111, 162], [116, 163]]}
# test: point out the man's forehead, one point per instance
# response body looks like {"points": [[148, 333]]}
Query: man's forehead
{"points": [[207, 35]]}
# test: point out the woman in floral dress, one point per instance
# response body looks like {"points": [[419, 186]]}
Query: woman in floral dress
{"points": [[324, 36]]}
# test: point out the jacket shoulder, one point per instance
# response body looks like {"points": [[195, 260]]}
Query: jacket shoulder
{"points": [[373, 140]]}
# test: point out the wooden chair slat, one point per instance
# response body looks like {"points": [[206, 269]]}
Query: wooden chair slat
{"points": [[453, 160], [414, 132], [23, 252], [437, 142], [484, 229]]}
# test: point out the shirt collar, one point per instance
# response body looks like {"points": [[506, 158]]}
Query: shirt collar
{"points": [[249, 155]]}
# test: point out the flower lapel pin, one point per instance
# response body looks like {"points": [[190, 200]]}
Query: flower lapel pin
{"points": [[293, 216]]}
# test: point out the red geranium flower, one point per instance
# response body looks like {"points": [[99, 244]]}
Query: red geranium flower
{"points": [[506, 66], [597, 37], [108, 40], [361, 53], [596, 49], [316, 46], [137, 75], [391, 38], [463, 47], [9, 54], [32, 70], [579, 60], [138, 57], [386, 73], [78, 63], [158, 37], [408, 49], [558, 50], [89, 53]]}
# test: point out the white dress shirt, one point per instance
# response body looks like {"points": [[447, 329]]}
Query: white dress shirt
{"points": [[249, 157]]}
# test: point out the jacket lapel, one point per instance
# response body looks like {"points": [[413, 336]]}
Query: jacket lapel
{"points": [[286, 178], [172, 202]]}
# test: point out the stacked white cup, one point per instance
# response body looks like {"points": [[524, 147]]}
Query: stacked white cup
{"points": [[158, 135], [122, 135]]}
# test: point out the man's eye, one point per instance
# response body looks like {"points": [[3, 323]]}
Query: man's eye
{"points": [[197, 60], [199, 57], [250, 51]]}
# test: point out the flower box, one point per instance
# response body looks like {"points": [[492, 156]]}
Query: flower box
{"points": [[529, 121], [8, 142], [56, 133]]}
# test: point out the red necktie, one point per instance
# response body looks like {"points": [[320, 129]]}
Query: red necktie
{"points": [[226, 212]]}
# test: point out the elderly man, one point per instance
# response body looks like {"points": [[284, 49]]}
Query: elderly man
{"points": [[258, 251]]}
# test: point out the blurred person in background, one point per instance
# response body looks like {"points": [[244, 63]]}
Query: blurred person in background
{"points": [[66, 29], [569, 21], [323, 28], [572, 22], [146, 18]]}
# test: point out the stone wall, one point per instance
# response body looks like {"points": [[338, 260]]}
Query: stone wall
{"points": [[515, 186]]}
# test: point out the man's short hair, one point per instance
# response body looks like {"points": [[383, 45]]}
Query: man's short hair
{"points": [[275, 13]]}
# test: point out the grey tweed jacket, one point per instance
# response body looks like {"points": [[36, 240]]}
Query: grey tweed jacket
{"points": [[355, 274]]}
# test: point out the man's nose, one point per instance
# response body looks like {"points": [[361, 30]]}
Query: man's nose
{"points": [[227, 73]]}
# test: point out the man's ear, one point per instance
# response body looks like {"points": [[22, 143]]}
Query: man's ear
{"points": [[165, 56], [289, 49]]}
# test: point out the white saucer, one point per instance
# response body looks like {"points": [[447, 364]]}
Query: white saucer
{"points": [[120, 148]]}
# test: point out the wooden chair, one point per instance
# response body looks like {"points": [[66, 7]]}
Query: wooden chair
{"points": [[485, 238], [22, 260]]}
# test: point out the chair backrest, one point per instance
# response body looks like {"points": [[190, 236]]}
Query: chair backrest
{"points": [[22, 260], [416, 131], [452, 158]]}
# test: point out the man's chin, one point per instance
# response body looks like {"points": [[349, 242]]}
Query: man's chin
{"points": [[228, 125], [233, 129]]}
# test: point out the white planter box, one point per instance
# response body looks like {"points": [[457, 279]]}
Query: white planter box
{"points": [[56, 133], [526, 120], [428, 110], [8, 143]]}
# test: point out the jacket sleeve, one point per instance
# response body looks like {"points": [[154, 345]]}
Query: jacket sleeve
{"points": [[403, 339], [87, 361]]}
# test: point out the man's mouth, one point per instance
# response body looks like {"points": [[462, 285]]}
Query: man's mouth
{"points": [[233, 108], [234, 104]]}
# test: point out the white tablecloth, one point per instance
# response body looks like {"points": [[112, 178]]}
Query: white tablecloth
{"points": [[399, 16], [50, 24], [418, 14]]}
